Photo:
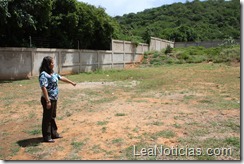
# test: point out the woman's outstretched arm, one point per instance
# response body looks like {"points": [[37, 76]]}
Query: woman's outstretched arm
{"points": [[66, 80]]}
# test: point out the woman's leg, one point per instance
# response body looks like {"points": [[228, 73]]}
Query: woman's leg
{"points": [[46, 121], [54, 127]]}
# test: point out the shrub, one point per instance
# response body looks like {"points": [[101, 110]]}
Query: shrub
{"points": [[169, 49], [155, 54], [194, 55]]}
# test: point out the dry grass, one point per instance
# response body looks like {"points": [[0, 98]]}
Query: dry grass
{"points": [[109, 112]]}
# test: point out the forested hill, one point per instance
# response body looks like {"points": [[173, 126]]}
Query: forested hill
{"points": [[190, 21], [74, 24]]}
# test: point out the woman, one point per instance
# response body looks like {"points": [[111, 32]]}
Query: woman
{"points": [[49, 85]]}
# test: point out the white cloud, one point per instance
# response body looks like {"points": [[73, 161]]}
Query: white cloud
{"points": [[120, 7]]}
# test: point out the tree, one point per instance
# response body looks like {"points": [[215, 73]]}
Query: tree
{"points": [[192, 21], [20, 20], [55, 24], [64, 22]]}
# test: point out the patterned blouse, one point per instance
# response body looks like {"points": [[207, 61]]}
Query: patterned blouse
{"points": [[51, 84]]}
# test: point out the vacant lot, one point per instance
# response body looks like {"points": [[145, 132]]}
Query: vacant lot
{"points": [[188, 112]]}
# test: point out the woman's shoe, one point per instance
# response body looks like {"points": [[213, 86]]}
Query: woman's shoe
{"points": [[50, 140], [57, 136]]}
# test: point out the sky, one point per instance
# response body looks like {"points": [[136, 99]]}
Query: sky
{"points": [[121, 7]]}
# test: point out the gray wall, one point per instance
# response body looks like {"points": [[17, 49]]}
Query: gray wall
{"points": [[22, 63], [157, 44], [206, 44], [15, 62]]}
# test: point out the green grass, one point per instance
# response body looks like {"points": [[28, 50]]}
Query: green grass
{"points": [[233, 125], [211, 93], [157, 123], [120, 114], [233, 141], [34, 131], [164, 134], [15, 149], [177, 125], [232, 144], [193, 54], [118, 140], [101, 123], [77, 145]]}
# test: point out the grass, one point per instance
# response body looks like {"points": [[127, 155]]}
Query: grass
{"points": [[120, 114], [177, 125], [101, 123], [118, 140], [164, 134], [34, 132], [196, 105], [77, 145], [157, 123], [193, 54]]}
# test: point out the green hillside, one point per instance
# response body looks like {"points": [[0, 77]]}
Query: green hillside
{"points": [[74, 24], [190, 21]]}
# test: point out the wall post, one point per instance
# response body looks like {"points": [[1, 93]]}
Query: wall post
{"points": [[124, 54], [59, 62], [32, 62]]}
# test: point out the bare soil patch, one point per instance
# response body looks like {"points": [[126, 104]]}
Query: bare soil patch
{"points": [[103, 120]]}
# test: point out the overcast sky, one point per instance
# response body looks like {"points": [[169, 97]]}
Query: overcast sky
{"points": [[121, 7]]}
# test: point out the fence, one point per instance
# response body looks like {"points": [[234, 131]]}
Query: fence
{"points": [[159, 44], [206, 44], [22, 63]]}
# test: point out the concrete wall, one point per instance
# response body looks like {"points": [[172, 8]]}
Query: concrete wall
{"points": [[206, 44], [22, 63], [157, 44], [15, 63]]}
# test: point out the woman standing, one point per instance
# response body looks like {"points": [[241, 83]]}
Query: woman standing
{"points": [[49, 85]]}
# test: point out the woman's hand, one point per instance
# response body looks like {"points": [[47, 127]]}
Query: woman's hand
{"points": [[74, 84], [64, 79], [49, 104]]}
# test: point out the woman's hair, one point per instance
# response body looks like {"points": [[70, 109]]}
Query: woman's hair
{"points": [[45, 66]]}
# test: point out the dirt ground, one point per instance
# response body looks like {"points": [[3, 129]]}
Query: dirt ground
{"points": [[101, 121]]}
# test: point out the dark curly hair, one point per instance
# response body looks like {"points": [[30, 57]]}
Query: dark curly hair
{"points": [[45, 66]]}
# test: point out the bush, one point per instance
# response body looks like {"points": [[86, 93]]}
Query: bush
{"points": [[155, 54], [169, 49], [195, 55], [155, 62], [197, 59]]}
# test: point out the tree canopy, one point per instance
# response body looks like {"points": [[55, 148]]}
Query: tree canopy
{"points": [[55, 24], [74, 24], [190, 21]]}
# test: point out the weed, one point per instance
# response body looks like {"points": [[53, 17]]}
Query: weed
{"points": [[157, 123], [102, 123], [233, 141], [120, 114], [77, 145], [104, 129], [119, 140], [97, 149], [14, 149], [164, 134], [210, 119], [177, 125], [34, 132]]}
